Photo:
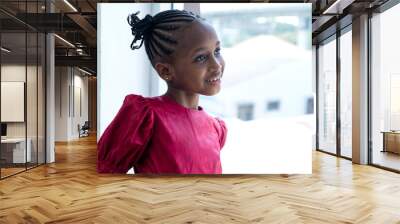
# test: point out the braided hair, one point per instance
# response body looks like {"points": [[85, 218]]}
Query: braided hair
{"points": [[157, 32]]}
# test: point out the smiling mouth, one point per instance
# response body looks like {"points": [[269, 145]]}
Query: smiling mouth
{"points": [[213, 80]]}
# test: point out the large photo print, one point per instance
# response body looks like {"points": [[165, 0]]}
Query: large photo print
{"points": [[205, 88]]}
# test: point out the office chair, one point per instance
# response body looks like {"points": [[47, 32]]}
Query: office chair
{"points": [[84, 130]]}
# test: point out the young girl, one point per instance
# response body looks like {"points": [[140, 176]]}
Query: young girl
{"points": [[170, 133]]}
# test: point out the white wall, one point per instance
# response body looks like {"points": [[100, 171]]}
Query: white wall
{"points": [[121, 71], [67, 116], [61, 103], [12, 73], [13, 93], [83, 82], [80, 82]]}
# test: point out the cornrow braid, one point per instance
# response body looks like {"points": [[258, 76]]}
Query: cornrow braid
{"points": [[157, 32]]}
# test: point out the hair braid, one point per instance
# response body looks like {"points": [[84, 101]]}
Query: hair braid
{"points": [[157, 33]]}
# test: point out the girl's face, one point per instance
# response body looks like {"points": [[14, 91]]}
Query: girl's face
{"points": [[197, 64]]}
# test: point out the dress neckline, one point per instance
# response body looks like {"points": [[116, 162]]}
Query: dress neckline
{"points": [[177, 105]]}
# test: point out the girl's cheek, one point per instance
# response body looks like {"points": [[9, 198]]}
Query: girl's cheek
{"points": [[202, 65]]}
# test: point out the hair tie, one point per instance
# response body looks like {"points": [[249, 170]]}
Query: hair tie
{"points": [[149, 19]]}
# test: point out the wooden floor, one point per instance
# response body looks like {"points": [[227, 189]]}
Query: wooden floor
{"points": [[5, 172], [10, 171], [70, 191], [387, 159]]}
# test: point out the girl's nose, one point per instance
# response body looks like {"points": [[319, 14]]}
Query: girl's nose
{"points": [[216, 65]]}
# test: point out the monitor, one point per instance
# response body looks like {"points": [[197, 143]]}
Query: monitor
{"points": [[3, 129]]}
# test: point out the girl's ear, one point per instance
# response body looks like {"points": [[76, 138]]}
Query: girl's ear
{"points": [[165, 71]]}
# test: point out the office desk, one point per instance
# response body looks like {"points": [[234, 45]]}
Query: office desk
{"points": [[391, 141], [13, 150]]}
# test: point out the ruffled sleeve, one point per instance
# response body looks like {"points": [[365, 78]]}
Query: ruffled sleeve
{"points": [[125, 139], [222, 131]]}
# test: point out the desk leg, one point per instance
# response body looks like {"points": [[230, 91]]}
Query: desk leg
{"points": [[384, 143]]}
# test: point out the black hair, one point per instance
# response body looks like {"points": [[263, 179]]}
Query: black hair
{"points": [[157, 32]]}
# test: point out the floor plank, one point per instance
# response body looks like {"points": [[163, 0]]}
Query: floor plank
{"points": [[70, 191]]}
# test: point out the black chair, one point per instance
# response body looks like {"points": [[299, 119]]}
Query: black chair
{"points": [[84, 130]]}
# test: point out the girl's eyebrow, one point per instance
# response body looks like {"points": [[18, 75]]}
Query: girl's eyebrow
{"points": [[203, 48]]}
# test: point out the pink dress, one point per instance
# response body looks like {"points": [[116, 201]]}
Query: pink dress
{"points": [[158, 135]]}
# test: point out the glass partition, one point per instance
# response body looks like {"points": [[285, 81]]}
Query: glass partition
{"points": [[13, 107], [22, 91], [41, 87], [327, 96], [346, 93], [385, 89]]}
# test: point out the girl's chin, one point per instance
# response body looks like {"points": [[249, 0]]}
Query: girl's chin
{"points": [[211, 92]]}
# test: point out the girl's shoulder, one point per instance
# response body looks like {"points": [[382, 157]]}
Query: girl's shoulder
{"points": [[141, 101], [133, 98]]}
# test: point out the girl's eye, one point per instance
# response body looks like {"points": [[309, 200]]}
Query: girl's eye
{"points": [[217, 52], [200, 58]]}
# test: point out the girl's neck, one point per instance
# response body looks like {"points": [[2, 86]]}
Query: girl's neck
{"points": [[188, 100]]}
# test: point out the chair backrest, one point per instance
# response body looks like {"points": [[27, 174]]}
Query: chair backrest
{"points": [[86, 125]]}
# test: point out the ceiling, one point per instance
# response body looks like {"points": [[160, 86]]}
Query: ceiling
{"points": [[75, 21]]}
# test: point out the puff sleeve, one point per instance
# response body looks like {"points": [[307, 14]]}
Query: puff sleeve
{"points": [[222, 131], [125, 139]]}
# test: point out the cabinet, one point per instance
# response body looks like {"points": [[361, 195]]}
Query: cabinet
{"points": [[391, 141]]}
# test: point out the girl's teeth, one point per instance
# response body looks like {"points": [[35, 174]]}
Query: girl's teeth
{"points": [[213, 80]]}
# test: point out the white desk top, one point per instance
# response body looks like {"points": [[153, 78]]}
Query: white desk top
{"points": [[13, 140]]}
